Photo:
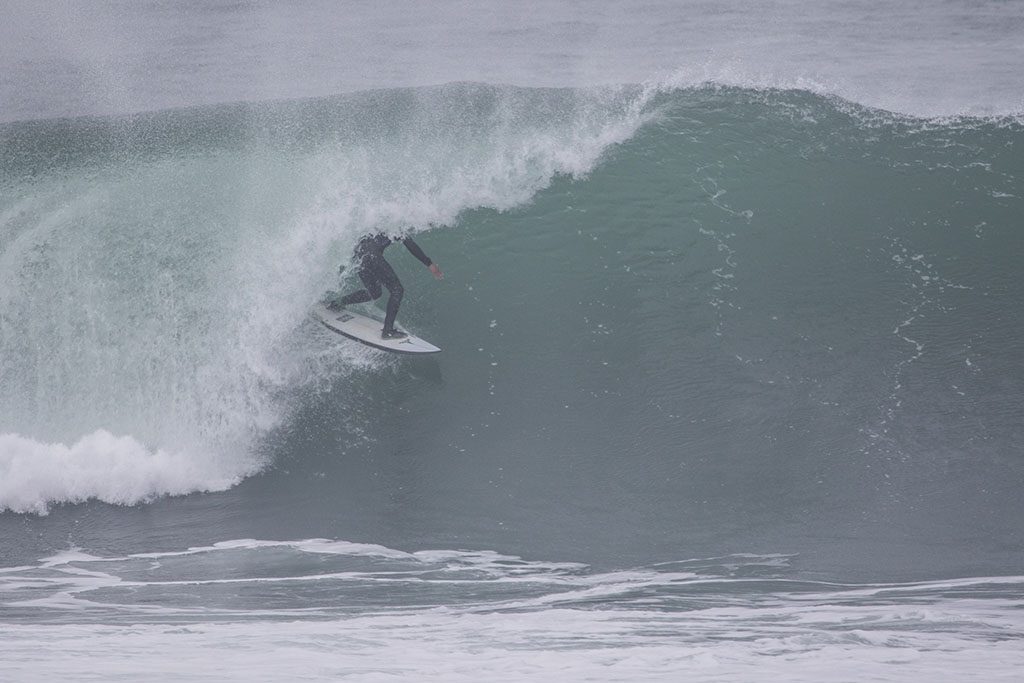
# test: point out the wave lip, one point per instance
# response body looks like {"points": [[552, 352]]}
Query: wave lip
{"points": [[101, 466]]}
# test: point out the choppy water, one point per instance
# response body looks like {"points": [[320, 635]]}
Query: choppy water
{"points": [[332, 609], [731, 376]]}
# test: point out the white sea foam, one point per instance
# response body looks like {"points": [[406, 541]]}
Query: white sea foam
{"points": [[472, 615], [120, 470], [565, 645]]}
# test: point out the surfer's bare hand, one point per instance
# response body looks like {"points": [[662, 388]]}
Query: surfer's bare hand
{"points": [[436, 271]]}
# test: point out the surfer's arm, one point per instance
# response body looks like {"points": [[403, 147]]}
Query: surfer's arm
{"points": [[415, 250]]}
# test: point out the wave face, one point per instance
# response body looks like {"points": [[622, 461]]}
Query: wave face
{"points": [[646, 285]]}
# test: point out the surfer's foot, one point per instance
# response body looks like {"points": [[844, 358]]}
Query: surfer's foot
{"points": [[393, 334], [332, 300]]}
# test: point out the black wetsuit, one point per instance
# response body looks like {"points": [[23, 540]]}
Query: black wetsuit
{"points": [[374, 271]]}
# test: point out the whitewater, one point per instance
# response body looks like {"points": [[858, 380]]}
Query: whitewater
{"points": [[730, 384]]}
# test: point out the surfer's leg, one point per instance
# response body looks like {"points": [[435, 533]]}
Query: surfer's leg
{"points": [[359, 297], [369, 274], [394, 286]]}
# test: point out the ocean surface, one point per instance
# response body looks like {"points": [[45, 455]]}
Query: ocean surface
{"points": [[732, 321]]}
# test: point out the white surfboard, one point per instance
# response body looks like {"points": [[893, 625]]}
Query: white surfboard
{"points": [[368, 331]]}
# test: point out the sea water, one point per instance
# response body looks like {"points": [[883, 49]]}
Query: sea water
{"points": [[731, 322]]}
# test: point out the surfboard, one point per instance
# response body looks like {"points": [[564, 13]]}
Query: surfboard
{"points": [[366, 330]]}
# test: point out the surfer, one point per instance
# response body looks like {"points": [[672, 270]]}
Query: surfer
{"points": [[376, 272]]}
